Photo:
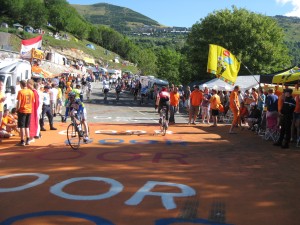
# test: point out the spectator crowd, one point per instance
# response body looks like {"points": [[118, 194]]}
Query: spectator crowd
{"points": [[266, 111]]}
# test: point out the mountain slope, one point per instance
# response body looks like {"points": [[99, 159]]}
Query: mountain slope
{"points": [[116, 17], [290, 26]]}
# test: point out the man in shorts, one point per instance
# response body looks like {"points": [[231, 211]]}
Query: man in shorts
{"points": [[24, 108], [196, 98], [214, 105]]}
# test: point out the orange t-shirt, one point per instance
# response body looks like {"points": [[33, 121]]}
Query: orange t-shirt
{"points": [[1, 103], [196, 98], [26, 99], [5, 120], [297, 99], [234, 100], [280, 102], [174, 98], [255, 97], [68, 90], [215, 101]]}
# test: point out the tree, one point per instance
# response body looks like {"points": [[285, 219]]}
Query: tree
{"points": [[77, 25], [95, 34], [186, 74], [168, 65], [34, 13], [147, 62], [294, 48], [255, 39], [61, 13], [12, 8]]}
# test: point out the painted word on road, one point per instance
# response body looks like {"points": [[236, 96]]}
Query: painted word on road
{"points": [[116, 187]]}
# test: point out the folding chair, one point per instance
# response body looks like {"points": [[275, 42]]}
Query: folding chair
{"points": [[272, 130]]}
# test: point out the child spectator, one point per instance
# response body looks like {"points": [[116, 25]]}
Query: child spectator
{"points": [[253, 118], [8, 123], [243, 112], [14, 114]]}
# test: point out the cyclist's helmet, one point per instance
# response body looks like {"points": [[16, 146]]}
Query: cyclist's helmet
{"points": [[72, 94]]}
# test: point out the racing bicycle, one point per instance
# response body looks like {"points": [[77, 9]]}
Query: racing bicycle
{"points": [[163, 120], [76, 132]]}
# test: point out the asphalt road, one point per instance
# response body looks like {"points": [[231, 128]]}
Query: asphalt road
{"points": [[126, 110]]}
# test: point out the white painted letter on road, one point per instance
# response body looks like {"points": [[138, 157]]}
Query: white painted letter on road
{"points": [[167, 198], [116, 188]]}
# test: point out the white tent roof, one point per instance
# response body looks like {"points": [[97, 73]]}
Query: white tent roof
{"points": [[244, 82]]}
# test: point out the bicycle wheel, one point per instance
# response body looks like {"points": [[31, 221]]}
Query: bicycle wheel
{"points": [[164, 131], [163, 126], [73, 137]]}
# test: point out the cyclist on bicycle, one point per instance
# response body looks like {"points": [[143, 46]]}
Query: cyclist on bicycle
{"points": [[106, 87], [163, 99], [118, 90], [76, 108]]}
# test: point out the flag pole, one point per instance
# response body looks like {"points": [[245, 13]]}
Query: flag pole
{"points": [[250, 73]]}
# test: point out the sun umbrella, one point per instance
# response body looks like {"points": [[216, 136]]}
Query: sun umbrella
{"points": [[287, 76]]}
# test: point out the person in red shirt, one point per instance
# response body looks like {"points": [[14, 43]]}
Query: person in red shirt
{"points": [[163, 99]]}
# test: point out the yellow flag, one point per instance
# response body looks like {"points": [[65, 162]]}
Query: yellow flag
{"points": [[223, 64]]}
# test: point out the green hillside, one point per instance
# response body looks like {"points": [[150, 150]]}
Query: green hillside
{"points": [[119, 18], [291, 27]]}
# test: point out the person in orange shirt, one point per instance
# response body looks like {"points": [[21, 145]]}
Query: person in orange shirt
{"points": [[254, 94], [214, 105], [235, 108], [8, 124], [281, 98], [2, 100], [174, 101], [68, 90], [280, 95], [195, 102], [24, 107], [244, 113]]}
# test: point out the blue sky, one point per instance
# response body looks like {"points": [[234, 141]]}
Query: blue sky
{"points": [[187, 12]]}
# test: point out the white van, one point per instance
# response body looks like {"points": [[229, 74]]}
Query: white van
{"points": [[12, 71]]}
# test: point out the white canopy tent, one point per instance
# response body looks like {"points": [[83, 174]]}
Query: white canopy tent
{"points": [[244, 82]]}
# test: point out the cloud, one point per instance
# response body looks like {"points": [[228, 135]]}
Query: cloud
{"points": [[296, 7]]}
